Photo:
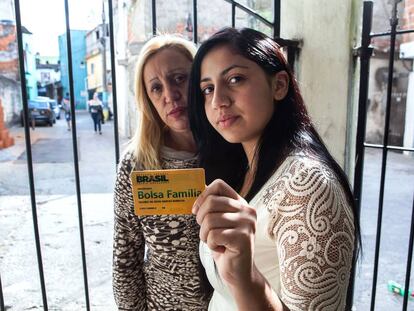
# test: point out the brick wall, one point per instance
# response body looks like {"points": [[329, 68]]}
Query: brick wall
{"points": [[8, 51]]}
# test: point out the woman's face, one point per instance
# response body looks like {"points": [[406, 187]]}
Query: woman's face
{"points": [[166, 79], [239, 97]]}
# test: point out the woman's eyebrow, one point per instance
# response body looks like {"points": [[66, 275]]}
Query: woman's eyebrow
{"points": [[225, 71], [170, 72]]}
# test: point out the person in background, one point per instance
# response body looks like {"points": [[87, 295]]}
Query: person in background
{"points": [[169, 276], [66, 109], [96, 110], [277, 222]]}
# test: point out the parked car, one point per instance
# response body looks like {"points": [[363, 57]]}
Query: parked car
{"points": [[54, 105], [41, 111]]}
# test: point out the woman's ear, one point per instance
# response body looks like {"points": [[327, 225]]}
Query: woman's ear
{"points": [[280, 85]]}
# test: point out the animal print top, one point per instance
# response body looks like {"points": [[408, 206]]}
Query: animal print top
{"points": [[166, 277]]}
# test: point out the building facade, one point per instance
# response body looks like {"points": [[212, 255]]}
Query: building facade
{"points": [[98, 60], [48, 77], [78, 45]]}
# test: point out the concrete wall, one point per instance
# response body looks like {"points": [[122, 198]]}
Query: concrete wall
{"points": [[325, 67], [7, 9], [11, 100]]}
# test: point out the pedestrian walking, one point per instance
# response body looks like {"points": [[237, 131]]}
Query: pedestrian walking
{"points": [[66, 109], [96, 110]]}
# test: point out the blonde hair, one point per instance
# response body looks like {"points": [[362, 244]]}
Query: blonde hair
{"points": [[146, 143]]}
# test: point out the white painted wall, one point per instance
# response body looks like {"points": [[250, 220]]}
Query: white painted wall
{"points": [[11, 99], [325, 68], [120, 31], [409, 116], [7, 10]]}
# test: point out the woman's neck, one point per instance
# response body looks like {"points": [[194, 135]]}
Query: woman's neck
{"points": [[181, 141], [250, 151]]}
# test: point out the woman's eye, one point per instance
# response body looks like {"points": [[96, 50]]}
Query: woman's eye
{"points": [[179, 79], [155, 89], [207, 90], [235, 79]]}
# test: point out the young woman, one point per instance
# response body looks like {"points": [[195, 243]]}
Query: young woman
{"points": [[278, 228], [168, 276]]}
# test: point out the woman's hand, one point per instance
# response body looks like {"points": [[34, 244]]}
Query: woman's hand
{"points": [[227, 226]]}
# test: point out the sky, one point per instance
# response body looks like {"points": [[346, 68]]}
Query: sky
{"points": [[46, 20]]}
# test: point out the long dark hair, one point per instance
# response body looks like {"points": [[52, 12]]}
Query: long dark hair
{"points": [[290, 128]]}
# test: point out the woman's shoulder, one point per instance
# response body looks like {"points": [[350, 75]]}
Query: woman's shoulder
{"points": [[128, 162], [301, 176], [301, 165]]}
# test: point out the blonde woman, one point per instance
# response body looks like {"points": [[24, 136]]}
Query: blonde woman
{"points": [[169, 276]]}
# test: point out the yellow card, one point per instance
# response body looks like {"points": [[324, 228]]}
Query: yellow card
{"points": [[164, 192]]}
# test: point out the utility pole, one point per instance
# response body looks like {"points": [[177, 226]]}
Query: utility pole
{"points": [[103, 42]]}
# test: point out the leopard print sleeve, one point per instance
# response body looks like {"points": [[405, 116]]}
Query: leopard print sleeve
{"points": [[313, 226], [129, 246]]}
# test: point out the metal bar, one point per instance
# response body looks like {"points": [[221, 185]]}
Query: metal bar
{"points": [[29, 151], [251, 12], [393, 23], [113, 74], [276, 19], [154, 18], [3, 308], [291, 53], [233, 14], [195, 25], [365, 52], [409, 259], [75, 154], [375, 146], [388, 33]]}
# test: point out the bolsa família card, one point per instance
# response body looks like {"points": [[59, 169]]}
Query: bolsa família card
{"points": [[164, 192]]}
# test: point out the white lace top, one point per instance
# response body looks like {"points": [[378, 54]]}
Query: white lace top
{"points": [[304, 239]]}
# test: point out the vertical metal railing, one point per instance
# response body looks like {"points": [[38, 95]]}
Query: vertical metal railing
{"points": [[233, 14], [365, 53], [276, 19], [195, 22], [154, 17], [393, 23], [75, 154], [29, 152], [409, 261], [113, 75], [2, 307]]}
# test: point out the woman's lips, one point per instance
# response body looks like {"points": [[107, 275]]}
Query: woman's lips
{"points": [[177, 112], [227, 121]]}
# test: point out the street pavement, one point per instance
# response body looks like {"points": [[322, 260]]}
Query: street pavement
{"points": [[59, 222], [58, 219]]}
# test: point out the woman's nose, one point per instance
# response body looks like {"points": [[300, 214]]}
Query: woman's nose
{"points": [[220, 99], [172, 94]]}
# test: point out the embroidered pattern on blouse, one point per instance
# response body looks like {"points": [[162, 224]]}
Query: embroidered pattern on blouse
{"points": [[168, 279], [312, 225]]}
